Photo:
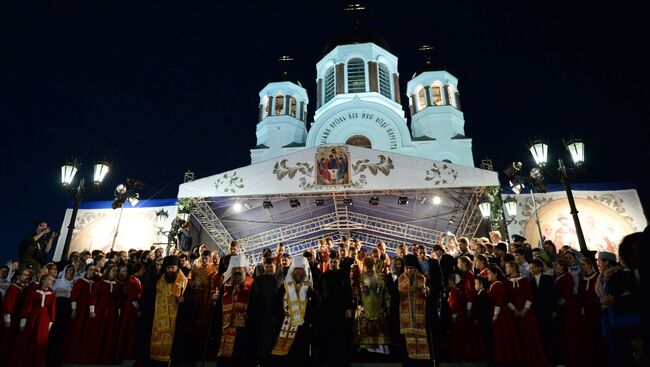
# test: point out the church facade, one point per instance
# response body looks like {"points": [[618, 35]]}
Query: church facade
{"points": [[358, 102]]}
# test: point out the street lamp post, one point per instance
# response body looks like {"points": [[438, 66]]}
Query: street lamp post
{"points": [[69, 169], [539, 149]]}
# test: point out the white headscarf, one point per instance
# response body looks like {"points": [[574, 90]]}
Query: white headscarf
{"points": [[299, 262], [62, 287], [236, 261]]}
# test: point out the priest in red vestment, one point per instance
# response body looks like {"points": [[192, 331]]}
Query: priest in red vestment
{"points": [[520, 300], [232, 311], [413, 294], [36, 318]]}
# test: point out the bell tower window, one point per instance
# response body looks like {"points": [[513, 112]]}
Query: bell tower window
{"points": [[329, 84], [356, 76], [359, 141], [384, 81], [265, 107], [451, 95], [422, 99], [292, 111], [279, 104], [436, 93]]}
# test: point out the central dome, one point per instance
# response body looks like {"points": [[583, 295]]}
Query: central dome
{"points": [[356, 35]]}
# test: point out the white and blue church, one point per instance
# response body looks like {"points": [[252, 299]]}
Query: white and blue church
{"points": [[358, 103]]}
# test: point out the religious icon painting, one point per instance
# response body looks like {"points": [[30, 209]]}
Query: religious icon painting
{"points": [[332, 166]]}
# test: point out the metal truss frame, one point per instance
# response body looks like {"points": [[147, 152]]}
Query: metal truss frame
{"points": [[343, 222], [204, 214]]}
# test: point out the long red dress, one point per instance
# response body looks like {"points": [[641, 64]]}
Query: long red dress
{"points": [[506, 343], [37, 314], [590, 304], [457, 336], [129, 321], [520, 296], [110, 298], [474, 350], [571, 323], [81, 336], [10, 312]]}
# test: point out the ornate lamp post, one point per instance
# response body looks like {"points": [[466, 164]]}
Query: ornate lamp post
{"points": [[576, 147], [69, 169]]}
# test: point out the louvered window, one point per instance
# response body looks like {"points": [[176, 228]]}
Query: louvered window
{"points": [[356, 76]]}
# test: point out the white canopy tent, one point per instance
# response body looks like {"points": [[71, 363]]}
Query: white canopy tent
{"points": [[334, 185]]}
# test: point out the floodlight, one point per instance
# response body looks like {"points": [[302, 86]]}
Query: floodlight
{"points": [[294, 203], [512, 169], [320, 202], [373, 200], [347, 202], [436, 200], [267, 204], [403, 200]]}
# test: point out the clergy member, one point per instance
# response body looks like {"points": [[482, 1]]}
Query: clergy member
{"points": [[232, 311], [298, 303], [413, 294], [169, 293]]}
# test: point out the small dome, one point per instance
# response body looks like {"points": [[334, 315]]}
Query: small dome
{"points": [[285, 77], [356, 35], [430, 65]]}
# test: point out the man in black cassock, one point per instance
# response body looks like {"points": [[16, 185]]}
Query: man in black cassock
{"points": [[336, 294], [262, 303], [297, 309]]}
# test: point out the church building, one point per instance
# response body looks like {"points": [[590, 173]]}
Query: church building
{"points": [[358, 103]]}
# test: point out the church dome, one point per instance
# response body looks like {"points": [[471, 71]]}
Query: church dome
{"points": [[356, 35], [285, 77]]}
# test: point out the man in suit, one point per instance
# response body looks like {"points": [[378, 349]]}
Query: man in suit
{"points": [[544, 304]]}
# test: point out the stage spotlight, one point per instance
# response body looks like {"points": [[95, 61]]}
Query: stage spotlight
{"points": [[267, 204], [320, 202], [373, 200], [248, 205], [237, 206], [437, 200], [517, 185], [512, 169], [133, 200], [347, 202], [536, 174], [423, 200], [403, 200], [294, 203]]}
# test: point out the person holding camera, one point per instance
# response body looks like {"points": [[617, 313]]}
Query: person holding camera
{"points": [[34, 248]]}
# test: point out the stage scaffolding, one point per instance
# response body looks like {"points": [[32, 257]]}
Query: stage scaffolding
{"points": [[463, 218]]}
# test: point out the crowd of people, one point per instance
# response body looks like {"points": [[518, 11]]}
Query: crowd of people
{"points": [[470, 300]]}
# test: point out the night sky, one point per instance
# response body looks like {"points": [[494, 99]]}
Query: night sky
{"points": [[161, 89]]}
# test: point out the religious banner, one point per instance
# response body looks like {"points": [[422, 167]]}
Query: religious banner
{"points": [[99, 227], [605, 217], [333, 166]]}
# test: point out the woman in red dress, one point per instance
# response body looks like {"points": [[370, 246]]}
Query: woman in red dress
{"points": [[473, 349], [506, 343], [520, 299], [37, 316], [130, 314], [109, 306], [590, 304], [457, 315], [11, 313], [570, 319], [81, 336]]}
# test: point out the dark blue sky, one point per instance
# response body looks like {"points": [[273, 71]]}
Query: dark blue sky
{"points": [[163, 88]]}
